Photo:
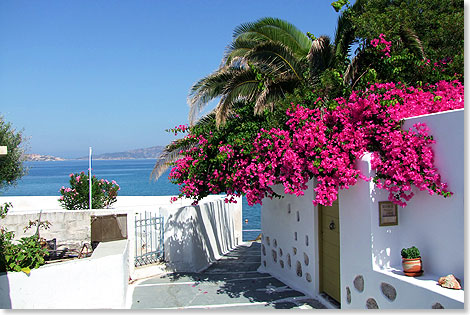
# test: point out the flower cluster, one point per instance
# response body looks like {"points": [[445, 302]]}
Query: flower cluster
{"points": [[324, 144], [178, 129], [382, 43], [76, 196]]}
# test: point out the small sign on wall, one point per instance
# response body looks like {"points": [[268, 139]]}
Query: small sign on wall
{"points": [[388, 213]]}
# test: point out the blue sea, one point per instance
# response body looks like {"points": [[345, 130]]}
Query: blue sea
{"points": [[133, 176]]}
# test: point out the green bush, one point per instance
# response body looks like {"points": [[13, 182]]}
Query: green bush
{"points": [[410, 253], [24, 255], [76, 196]]}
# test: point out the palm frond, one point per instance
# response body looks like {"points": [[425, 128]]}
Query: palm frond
{"points": [[171, 153], [320, 55], [411, 41]]}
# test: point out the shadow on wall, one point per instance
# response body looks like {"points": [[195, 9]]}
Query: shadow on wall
{"points": [[195, 236], [5, 302]]}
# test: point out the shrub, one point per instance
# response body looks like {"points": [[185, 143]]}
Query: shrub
{"points": [[24, 255], [410, 253], [76, 196]]}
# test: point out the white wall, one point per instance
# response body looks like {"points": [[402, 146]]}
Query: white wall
{"points": [[432, 223], [196, 236], [281, 220], [96, 282]]}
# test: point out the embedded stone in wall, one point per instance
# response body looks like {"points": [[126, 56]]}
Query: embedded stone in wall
{"points": [[264, 263], [288, 208], [298, 216], [389, 291], [308, 277], [268, 241], [348, 295], [295, 236], [299, 269], [281, 262], [274, 243], [294, 249], [280, 252], [306, 259], [263, 249], [306, 240], [274, 253], [437, 305], [359, 283], [371, 304], [288, 261]]}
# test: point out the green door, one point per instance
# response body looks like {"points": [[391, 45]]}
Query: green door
{"points": [[329, 251]]}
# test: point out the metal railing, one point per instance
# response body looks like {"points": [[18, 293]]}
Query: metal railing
{"points": [[149, 239]]}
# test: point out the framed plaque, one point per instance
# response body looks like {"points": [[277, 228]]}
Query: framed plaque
{"points": [[388, 213]]}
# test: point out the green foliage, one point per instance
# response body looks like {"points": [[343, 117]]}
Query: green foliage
{"points": [[410, 253], [76, 196], [338, 5], [11, 165], [24, 255], [438, 24]]}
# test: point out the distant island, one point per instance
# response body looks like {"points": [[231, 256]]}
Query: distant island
{"points": [[39, 157], [146, 153]]}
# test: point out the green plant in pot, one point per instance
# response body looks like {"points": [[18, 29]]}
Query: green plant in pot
{"points": [[411, 261]]}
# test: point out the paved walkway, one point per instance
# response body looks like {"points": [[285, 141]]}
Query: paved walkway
{"points": [[230, 283]]}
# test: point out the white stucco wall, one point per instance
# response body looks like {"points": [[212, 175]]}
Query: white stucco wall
{"points": [[196, 236], [432, 223], [96, 282], [286, 224]]}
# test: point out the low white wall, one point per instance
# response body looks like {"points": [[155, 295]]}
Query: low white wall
{"points": [[432, 223], [286, 224], [96, 282], [196, 236]]}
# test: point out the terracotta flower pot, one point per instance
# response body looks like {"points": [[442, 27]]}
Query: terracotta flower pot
{"points": [[411, 266]]}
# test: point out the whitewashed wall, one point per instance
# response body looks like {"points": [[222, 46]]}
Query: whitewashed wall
{"points": [[196, 236], [290, 240], [96, 282], [371, 254]]}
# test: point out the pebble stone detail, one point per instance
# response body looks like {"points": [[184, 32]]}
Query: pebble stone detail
{"points": [[294, 249], [263, 249], [389, 291], [308, 277], [437, 305], [274, 243], [288, 261], [274, 253], [372, 304], [288, 208], [264, 263], [280, 252], [306, 259], [299, 269], [306, 240], [281, 262], [268, 241], [298, 216], [295, 236], [359, 283], [348, 295]]}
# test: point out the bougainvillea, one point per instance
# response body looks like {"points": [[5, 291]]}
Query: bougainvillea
{"points": [[324, 144]]}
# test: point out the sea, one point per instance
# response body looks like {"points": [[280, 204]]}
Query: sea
{"points": [[45, 178]]}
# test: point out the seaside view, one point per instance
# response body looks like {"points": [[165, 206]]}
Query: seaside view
{"points": [[45, 178]]}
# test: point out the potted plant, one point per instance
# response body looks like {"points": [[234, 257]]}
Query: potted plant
{"points": [[411, 261]]}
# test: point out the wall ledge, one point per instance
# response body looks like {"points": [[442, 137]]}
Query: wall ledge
{"points": [[426, 281]]}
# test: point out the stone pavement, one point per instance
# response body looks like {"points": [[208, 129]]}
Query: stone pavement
{"points": [[230, 283]]}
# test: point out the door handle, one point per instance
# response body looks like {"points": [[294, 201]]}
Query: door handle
{"points": [[332, 225]]}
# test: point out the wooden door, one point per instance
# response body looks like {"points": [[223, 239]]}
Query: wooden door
{"points": [[329, 251]]}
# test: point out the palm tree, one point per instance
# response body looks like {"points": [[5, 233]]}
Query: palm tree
{"points": [[266, 59]]}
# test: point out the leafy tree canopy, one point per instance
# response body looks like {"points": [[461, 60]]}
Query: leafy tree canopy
{"points": [[11, 165]]}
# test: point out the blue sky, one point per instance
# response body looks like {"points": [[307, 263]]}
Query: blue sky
{"points": [[115, 74]]}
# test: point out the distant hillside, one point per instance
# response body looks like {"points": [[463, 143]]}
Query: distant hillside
{"points": [[39, 157], [146, 153]]}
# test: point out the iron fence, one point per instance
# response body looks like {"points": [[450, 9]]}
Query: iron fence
{"points": [[149, 239]]}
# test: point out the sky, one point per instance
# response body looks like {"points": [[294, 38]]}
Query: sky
{"points": [[114, 75]]}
